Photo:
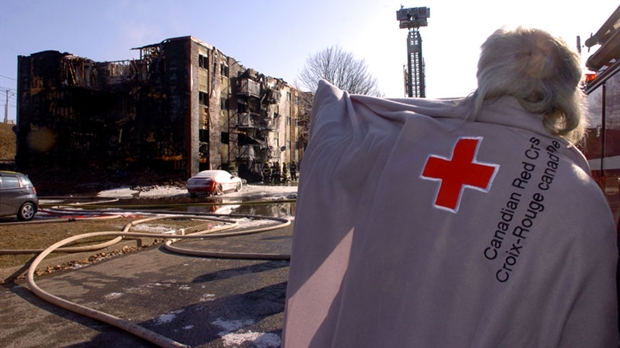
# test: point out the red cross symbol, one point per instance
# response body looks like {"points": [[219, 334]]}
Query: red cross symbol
{"points": [[458, 172]]}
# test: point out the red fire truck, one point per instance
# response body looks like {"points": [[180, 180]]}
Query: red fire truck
{"points": [[602, 147]]}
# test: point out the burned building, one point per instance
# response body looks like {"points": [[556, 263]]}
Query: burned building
{"points": [[182, 106]]}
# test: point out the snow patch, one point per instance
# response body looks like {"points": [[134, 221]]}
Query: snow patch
{"points": [[207, 298], [167, 318], [233, 336], [231, 325], [247, 222], [259, 339], [113, 295], [152, 228]]}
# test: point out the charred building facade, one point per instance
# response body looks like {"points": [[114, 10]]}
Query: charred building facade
{"points": [[182, 106]]}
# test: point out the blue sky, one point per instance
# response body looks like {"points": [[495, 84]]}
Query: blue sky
{"points": [[276, 36]]}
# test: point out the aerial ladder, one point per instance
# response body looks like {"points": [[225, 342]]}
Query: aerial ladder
{"points": [[412, 19]]}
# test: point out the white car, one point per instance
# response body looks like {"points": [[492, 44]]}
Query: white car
{"points": [[213, 182]]}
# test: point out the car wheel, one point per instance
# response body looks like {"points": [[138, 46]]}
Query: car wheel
{"points": [[27, 211], [238, 188], [192, 194], [218, 190]]}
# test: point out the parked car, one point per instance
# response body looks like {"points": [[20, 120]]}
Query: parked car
{"points": [[213, 182], [18, 196]]}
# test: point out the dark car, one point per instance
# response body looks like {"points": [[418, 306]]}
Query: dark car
{"points": [[18, 196]]}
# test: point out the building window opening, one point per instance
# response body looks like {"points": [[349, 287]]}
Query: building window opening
{"points": [[224, 103], [224, 69], [241, 108], [203, 98], [203, 61]]}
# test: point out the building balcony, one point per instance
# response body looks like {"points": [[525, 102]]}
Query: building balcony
{"points": [[267, 124], [249, 88], [247, 120], [271, 96]]}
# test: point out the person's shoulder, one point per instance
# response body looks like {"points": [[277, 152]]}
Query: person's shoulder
{"points": [[583, 202]]}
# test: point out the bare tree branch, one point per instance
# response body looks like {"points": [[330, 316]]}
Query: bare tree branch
{"points": [[341, 69]]}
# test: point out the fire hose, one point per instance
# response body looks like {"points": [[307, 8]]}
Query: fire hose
{"points": [[197, 232]]}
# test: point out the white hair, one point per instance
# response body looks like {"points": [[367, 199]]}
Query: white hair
{"points": [[541, 71]]}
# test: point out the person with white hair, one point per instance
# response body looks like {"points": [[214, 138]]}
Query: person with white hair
{"points": [[469, 222], [540, 71]]}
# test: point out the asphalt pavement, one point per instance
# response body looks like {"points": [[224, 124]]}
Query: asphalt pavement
{"points": [[196, 301]]}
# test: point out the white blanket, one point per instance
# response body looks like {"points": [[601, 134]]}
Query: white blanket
{"points": [[418, 228]]}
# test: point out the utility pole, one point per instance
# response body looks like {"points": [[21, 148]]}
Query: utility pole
{"points": [[6, 108], [412, 19]]}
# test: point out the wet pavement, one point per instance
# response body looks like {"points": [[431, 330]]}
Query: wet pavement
{"points": [[196, 301]]}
